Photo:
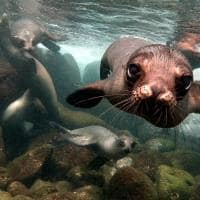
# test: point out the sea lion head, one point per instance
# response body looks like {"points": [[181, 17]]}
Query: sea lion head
{"points": [[158, 78], [153, 84], [24, 39], [116, 148]]}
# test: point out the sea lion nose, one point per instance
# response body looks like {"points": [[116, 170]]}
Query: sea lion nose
{"points": [[163, 95], [167, 98]]}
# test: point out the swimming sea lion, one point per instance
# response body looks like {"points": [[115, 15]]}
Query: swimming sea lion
{"points": [[152, 81], [188, 44], [27, 33], [33, 74], [102, 141]]}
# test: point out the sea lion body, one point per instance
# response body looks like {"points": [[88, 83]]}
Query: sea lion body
{"points": [[32, 73], [153, 81], [101, 140], [27, 33]]}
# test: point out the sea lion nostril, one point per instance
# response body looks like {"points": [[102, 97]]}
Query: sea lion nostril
{"points": [[167, 98]]}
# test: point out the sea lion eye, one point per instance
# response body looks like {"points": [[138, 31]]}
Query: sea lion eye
{"points": [[186, 81], [133, 72], [183, 84], [121, 143]]}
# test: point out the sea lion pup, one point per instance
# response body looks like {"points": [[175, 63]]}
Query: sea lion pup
{"points": [[106, 144], [27, 33], [152, 81], [33, 75]]}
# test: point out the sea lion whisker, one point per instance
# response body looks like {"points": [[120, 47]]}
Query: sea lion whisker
{"points": [[98, 96], [166, 115], [112, 107], [159, 118]]}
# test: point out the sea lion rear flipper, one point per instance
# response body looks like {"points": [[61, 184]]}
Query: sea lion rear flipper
{"points": [[51, 45], [88, 96]]}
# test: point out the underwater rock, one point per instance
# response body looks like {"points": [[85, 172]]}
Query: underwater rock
{"points": [[29, 164], [5, 196], [174, 183], [42, 188], [63, 70], [107, 171], [2, 149], [89, 192], [4, 178], [63, 186], [91, 72], [58, 196], [81, 176], [196, 192], [21, 197], [160, 145], [17, 188], [148, 162], [130, 183], [124, 162], [68, 156], [186, 160]]}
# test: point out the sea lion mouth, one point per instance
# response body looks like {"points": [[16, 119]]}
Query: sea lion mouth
{"points": [[158, 113]]}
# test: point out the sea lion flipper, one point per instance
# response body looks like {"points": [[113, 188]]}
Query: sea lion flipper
{"points": [[88, 96], [51, 45]]}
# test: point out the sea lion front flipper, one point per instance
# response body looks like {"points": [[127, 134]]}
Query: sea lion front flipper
{"points": [[51, 45], [15, 113], [88, 96]]}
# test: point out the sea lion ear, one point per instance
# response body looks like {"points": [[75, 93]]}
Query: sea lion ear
{"points": [[88, 96]]}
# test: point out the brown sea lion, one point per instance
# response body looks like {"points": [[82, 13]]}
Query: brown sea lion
{"points": [[152, 81], [27, 33], [32, 73], [188, 43]]}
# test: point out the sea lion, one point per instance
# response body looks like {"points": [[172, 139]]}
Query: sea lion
{"points": [[62, 68], [106, 144], [188, 44], [33, 74], [152, 81], [27, 33]]}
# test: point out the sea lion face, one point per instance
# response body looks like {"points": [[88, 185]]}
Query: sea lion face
{"points": [[158, 79], [25, 40], [152, 84]]}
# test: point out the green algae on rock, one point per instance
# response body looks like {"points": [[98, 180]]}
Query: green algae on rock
{"points": [[186, 160], [29, 164], [21, 197], [18, 188], [81, 176], [174, 183], [130, 183], [89, 192], [42, 188], [5, 196], [148, 162]]}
